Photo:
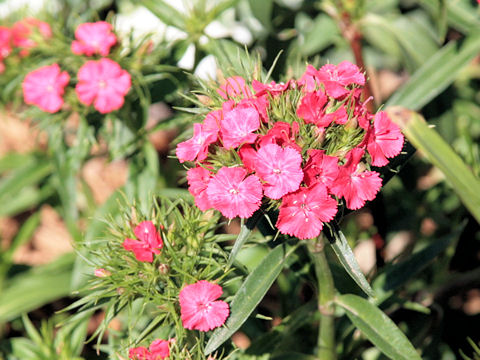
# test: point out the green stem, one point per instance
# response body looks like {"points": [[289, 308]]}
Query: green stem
{"points": [[326, 307]]}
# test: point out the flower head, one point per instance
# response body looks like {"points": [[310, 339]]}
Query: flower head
{"points": [[233, 87], [238, 127], [303, 212], [198, 179], [233, 194], [44, 87], [22, 33], [149, 242], [93, 38], [158, 350], [280, 169], [320, 168], [104, 84], [335, 78], [196, 148], [5, 42], [199, 307]]}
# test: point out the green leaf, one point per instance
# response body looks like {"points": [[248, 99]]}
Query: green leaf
{"points": [[245, 231], [262, 10], [460, 15], [250, 294], [166, 13], [436, 74], [377, 327], [36, 287], [346, 257], [440, 154]]}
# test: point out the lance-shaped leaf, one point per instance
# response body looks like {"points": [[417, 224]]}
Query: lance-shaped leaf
{"points": [[377, 327], [250, 294], [245, 231], [436, 74], [440, 154], [345, 254]]}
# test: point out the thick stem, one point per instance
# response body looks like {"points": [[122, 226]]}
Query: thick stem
{"points": [[326, 294]]}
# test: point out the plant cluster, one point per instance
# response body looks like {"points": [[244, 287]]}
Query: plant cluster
{"points": [[301, 147]]}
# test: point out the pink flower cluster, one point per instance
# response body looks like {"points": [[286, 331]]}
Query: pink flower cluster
{"points": [[101, 83], [20, 36], [159, 349], [303, 146], [200, 309]]}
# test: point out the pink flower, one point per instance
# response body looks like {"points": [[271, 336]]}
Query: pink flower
{"points": [[93, 38], [320, 168], [234, 86], [282, 134], [273, 88], [280, 169], [44, 88], [101, 273], [22, 30], [311, 107], [233, 194], [384, 140], [197, 146], [355, 184], [159, 349], [198, 179], [303, 212], [335, 78], [199, 307], [307, 81], [5, 42], [149, 242], [238, 126], [103, 83]]}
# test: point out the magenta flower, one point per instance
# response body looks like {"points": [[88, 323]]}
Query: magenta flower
{"points": [[384, 140], [233, 194], [282, 134], [93, 38], [44, 87], [311, 108], [159, 349], [234, 86], [199, 307], [335, 78], [238, 126], [196, 148], [303, 212], [280, 169], [22, 31], [104, 84], [5, 42], [198, 179], [320, 168], [354, 184], [149, 242]]}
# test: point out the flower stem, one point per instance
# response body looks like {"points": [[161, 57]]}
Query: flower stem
{"points": [[326, 294]]}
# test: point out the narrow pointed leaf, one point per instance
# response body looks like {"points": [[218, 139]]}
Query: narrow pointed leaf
{"points": [[440, 154], [243, 236], [377, 327], [436, 74], [346, 257], [250, 294], [166, 13]]}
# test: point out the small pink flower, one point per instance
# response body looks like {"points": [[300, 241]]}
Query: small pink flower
{"points": [[198, 179], [44, 88], [233, 194], [355, 184], [199, 307], [282, 134], [149, 242], [196, 148], [273, 88], [303, 212], [307, 81], [311, 107], [5, 42], [335, 78], [93, 38], [22, 31], [103, 83], [280, 169], [320, 168], [159, 349], [234, 86], [384, 140], [238, 126]]}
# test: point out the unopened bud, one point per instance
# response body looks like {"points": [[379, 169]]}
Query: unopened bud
{"points": [[120, 290], [163, 269], [101, 273]]}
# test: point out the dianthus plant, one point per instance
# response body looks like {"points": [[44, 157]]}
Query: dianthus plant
{"points": [[164, 275], [304, 148]]}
